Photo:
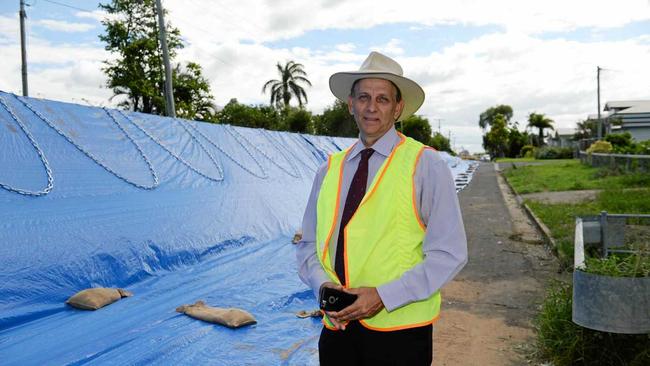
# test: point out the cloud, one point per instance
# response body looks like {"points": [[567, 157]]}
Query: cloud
{"points": [[514, 66], [269, 21], [345, 47], [392, 48], [63, 26], [98, 15]]}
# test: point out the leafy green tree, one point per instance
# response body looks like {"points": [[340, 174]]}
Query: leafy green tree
{"points": [[487, 117], [441, 143], [292, 75], [298, 120], [192, 94], [418, 128], [237, 114], [541, 122], [136, 72], [495, 142], [516, 140], [336, 120], [586, 129]]}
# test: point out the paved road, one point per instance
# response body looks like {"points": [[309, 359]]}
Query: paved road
{"points": [[488, 308]]}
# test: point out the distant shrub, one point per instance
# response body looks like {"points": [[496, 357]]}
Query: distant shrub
{"points": [[643, 148], [548, 152], [634, 148], [527, 151], [600, 146], [619, 140]]}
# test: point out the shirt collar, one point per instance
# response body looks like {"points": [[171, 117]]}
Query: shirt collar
{"points": [[383, 146]]}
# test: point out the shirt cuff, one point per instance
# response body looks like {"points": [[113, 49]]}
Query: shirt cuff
{"points": [[318, 278], [393, 295]]}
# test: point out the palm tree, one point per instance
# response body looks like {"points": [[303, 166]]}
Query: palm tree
{"points": [[541, 122], [291, 76]]}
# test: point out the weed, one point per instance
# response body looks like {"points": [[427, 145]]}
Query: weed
{"points": [[565, 343], [620, 265]]}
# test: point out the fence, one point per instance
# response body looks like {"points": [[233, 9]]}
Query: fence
{"points": [[625, 162]]}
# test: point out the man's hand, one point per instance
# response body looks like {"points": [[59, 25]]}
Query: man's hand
{"points": [[367, 305], [335, 322]]}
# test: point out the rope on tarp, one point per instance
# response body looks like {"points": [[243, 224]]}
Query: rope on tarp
{"points": [[264, 175], [322, 153], [93, 157], [178, 157], [313, 167], [331, 139], [146, 159], [238, 135], [41, 155]]}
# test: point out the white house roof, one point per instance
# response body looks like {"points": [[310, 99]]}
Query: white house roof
{"points": [[628, 106], [568, 131]]}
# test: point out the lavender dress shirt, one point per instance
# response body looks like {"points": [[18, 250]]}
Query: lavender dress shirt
{"points": [[444, 246]]}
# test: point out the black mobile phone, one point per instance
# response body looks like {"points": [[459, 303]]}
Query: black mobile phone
{"points": [[332, 299]]}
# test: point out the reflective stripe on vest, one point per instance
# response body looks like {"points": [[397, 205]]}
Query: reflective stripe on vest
{"points": [[384, 236]]}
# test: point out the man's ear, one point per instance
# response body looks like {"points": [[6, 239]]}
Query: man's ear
{"points": [[350, 109], [398, 109]]}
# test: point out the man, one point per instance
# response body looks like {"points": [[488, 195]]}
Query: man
{"points": [[382, 222]]}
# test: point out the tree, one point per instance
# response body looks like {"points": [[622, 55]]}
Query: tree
{"points": [[441, 143], [495, 142], [298, 120], [137, 72], [192, 94], [586, 129], [487, 117], [237, 114], [541, 122], [336, 121], [291, 76], [418, 128], [516, 140]]}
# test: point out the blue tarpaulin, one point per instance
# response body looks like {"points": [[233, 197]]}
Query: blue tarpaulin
{"points": [[174, 211]]}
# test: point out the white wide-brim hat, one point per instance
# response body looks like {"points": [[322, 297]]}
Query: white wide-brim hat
{"points": [[380, 67]]}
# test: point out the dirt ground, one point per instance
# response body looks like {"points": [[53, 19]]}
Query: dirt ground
{"points": [[487, 311]]}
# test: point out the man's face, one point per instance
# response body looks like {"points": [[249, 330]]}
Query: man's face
{"points": [[374, 107]]}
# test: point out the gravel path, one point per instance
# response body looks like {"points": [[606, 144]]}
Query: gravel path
{"points": [[488, 309]]}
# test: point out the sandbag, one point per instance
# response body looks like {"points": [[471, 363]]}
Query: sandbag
{"points": [[95, 298], [309, 314], [231, 317], [297, 237]]}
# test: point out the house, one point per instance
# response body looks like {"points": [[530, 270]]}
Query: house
{"points": [[562, 137], [634, 117]]}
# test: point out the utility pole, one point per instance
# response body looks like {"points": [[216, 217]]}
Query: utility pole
{"points": [[439, 120], [169, 92], [22, 47], [600, 123]]}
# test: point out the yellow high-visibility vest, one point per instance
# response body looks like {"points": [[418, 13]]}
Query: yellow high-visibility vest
{"points": [[384, 236]]}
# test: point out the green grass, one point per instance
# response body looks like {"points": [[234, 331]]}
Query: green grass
{"points": [[559, 340], [514, 160], [620, 265], [560, 218], [564, 343], [569, 175]]}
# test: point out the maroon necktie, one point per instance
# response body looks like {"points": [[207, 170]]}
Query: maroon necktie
{"points": [[352, 201]]}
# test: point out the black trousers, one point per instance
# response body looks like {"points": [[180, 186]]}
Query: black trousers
{"points": [[357, 345]]}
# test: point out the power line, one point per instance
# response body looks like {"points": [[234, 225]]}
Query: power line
{"points": [[187, 24], [67, 6], [234, 26], [236, 15]]}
